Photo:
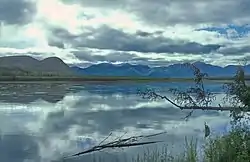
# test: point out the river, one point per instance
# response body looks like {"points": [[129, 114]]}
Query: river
{"points": [[42, 122]]}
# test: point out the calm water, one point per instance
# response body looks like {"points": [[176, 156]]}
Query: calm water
{"points": [[43, 122]]}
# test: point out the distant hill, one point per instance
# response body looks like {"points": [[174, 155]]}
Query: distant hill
{"points": [[26, 65], [106, 69], [175, 70]]}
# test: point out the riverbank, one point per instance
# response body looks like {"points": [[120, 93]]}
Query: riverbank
{"points": [[105, 79]]}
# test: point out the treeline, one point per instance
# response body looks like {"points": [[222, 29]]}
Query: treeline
{"points": [[14, 72]]}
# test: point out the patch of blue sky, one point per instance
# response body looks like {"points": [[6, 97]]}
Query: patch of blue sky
{"points": [[230, 31]]}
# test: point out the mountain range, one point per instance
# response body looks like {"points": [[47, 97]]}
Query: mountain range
{"points": [[20, 65], [174, 70]]}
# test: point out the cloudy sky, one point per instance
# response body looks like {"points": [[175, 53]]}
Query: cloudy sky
{"points": [[153, 32]]}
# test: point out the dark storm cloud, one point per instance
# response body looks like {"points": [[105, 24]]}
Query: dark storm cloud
{"points": [[162, 62], [241, 60], [111, 56], [17, 11], [235, 50], [143, 33], [86, 55], [170, 12], [106, 37], [148, 34], [56, 43], [59, 37], [61, 33], [99, 3]]}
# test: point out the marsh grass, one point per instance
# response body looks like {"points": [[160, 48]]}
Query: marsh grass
{"points": [[232, 147]]}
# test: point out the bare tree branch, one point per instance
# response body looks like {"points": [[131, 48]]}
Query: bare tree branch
{"points": [[198, 98], [120, 143], [105, 138], [150, 94]]}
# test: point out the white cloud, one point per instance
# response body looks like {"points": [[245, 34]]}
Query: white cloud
{"points": [[77, 18], [36, 34], [54, 12]]}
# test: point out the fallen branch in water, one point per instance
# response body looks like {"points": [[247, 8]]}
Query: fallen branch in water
{"points": [[120, 143], [198, 98], [150, 94]]}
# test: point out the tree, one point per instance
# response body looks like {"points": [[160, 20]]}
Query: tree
{"points": [[198, 97]]}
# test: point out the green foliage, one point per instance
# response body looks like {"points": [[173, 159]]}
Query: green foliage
{"points": [[234, 147], [238, 95]]}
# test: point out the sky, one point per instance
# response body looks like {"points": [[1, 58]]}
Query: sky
{"points": [[151, 32]]}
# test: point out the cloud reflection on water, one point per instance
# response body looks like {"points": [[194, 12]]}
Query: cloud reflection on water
{"points": [[43, 130]]}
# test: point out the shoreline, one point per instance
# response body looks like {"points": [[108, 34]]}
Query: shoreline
{"points": [[104, 79]]}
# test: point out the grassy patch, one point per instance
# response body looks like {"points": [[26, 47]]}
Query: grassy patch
{"points": [[234, 147]]}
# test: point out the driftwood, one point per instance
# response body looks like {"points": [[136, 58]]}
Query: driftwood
{"points": [[120, 143]]}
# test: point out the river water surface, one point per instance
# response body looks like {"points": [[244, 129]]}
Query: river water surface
{"points": [[42, 122]]}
